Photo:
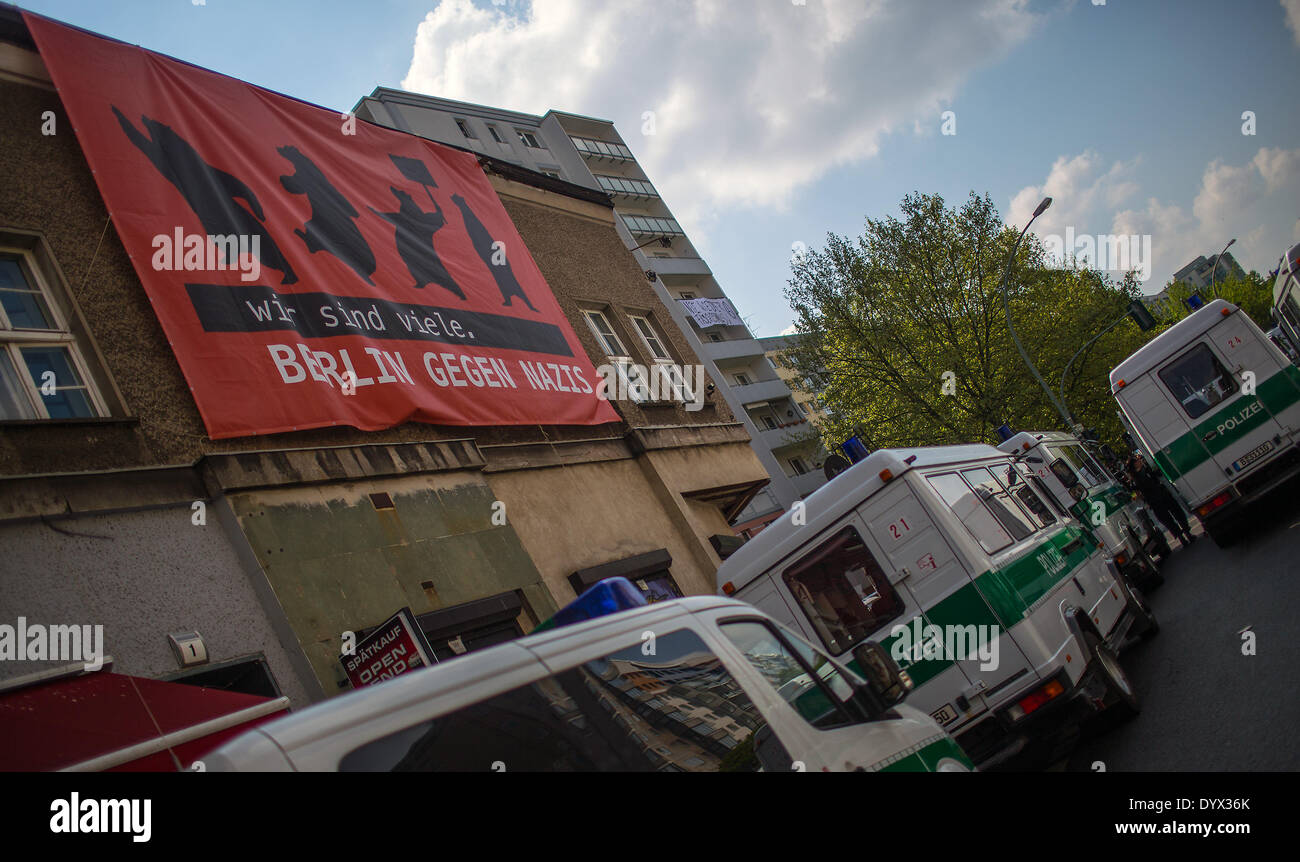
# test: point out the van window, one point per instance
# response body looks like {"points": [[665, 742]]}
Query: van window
{"points": [[843, 591], [970, 511], [1198, 380], [1012, 518], [617, 713], [802, 676], [1081, 467], [1016, 478]]}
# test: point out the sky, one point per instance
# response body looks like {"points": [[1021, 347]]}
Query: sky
{"points": [[776, 122]]}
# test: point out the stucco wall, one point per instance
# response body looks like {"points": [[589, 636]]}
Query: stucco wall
{"points": [[150, 573]]}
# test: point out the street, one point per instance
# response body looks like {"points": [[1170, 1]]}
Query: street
{"points": [[1205, 705]]}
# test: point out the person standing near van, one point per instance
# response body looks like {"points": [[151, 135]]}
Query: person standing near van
{"points": [[1158, 497]]}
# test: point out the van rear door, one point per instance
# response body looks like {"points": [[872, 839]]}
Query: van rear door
{"points": [[1228, 427]]}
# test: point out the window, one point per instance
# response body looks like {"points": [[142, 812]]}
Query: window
{"points": [[464, 130], [686, 294], [1013, 519], [1016, 480], [770, 423], [588, 719], [496, 136], [552, 174], [42, 371], [798, 466], [609, 340], [843, 591], [741, 379], [715, 337], [658, 587], [970, 511], [1198, 380], [529, 139], [650, 339], [1074, 464], [802, 676]]}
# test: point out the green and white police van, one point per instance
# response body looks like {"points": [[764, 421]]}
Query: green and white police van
{"points": [[1075, 482], [1218, 407], [1004, 612], [701, 684]]}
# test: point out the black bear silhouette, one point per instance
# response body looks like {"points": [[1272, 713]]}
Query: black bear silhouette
{"points": [[210, 192], [331, 227], [414, 230], [482, 239]]}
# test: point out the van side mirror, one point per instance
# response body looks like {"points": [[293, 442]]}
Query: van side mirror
{"points": [[887, 683]]}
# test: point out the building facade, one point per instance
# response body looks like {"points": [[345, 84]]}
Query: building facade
{"points": [[1200, 273], [117, 509], [591, 153]]}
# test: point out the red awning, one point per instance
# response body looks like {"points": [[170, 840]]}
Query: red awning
{"points": [[119, 723]]}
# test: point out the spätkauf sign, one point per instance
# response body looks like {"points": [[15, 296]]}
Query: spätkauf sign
{"points": [[394, 648], [312, 270]]}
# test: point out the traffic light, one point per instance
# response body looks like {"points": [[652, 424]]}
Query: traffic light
{"points": [[1140, 315]]}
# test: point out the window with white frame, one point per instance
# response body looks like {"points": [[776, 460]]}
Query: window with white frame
{"points": [[529, 139], [496, 136], [653, 343], [609, 340], [43, 374]]}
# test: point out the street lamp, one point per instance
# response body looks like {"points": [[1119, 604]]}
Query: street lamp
{"points": [[1214, 270], [1042, 207]]}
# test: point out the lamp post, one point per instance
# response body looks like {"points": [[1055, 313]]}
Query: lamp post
{"points": [[1006, 304], [1214, 270]]}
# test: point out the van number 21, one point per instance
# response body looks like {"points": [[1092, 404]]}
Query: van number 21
{"points": [[899, 528]]}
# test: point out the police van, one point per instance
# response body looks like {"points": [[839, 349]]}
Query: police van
{"points": [[1218, 407], [1002, 610], [1072, 481], [701, 684]]}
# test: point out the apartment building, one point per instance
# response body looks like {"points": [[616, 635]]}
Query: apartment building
{"points": [[806, 389], [591, 152], [1201, 273]]}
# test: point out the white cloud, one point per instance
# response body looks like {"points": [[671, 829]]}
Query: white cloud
{"points": [[753, 101], [1292, 9], [1250, 201]]}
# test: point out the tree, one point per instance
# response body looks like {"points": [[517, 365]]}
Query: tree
{"points": [[1253, 294], [908, 324]]}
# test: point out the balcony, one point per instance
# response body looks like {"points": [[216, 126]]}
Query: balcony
{"points": [[601, 151], [808, 482], [640, 225], [737, 349], [627, 188], [679, 266], [764, 390], [782, 437]]}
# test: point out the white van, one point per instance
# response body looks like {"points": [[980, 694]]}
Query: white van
{"points": [[1004, 612], [701, 684], [1218, 407], [1075, 482]]}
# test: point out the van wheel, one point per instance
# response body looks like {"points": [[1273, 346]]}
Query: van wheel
{"points": [[1119, 687], [1150, 627], [1223, 532]]}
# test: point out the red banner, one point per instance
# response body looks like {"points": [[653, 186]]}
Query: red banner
{"points": [[310, 269]]}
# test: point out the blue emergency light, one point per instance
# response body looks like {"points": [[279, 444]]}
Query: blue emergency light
{"points": [[606, 597]]}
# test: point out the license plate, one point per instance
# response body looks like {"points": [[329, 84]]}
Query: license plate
{"points": [[1253, 455], [944, 714]]}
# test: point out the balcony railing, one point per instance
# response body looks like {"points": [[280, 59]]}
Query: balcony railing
{"points": [[599, 150], [652, 226], [763, 390], [639, 189]]}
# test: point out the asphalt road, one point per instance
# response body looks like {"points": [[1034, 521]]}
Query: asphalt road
{"points": [[1205, 705]]}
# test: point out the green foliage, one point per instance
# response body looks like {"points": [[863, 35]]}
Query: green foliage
{"points": [[1253, 294], [887, 313]]}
